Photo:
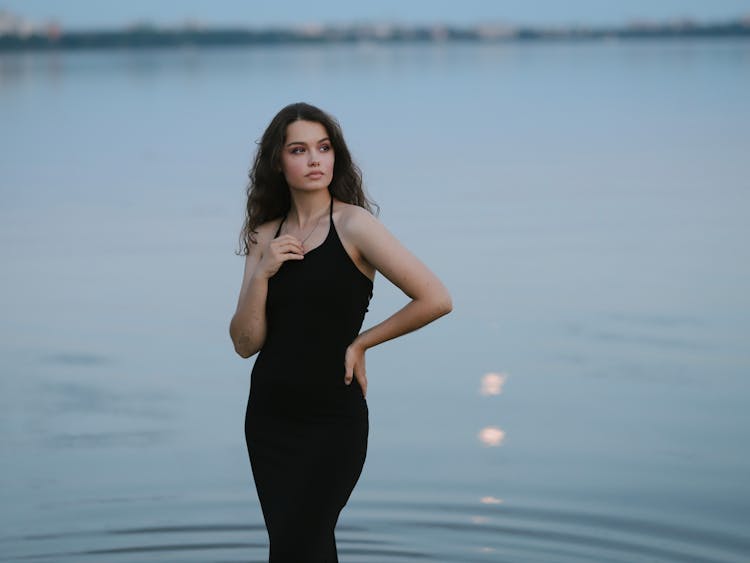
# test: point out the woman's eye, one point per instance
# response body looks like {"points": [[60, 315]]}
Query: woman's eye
{"points": [[325, 148], [297, 150]]}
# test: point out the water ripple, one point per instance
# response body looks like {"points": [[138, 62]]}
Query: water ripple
{"points": [[383, 530]]}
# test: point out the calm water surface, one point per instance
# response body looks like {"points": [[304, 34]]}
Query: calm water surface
{"points": [[586, 204]]}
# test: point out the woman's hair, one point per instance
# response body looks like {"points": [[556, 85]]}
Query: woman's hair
{"points": [[267, 191]]}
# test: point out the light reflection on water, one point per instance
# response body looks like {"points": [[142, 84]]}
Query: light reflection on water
{"points": [[492, 384], [491, 436]]}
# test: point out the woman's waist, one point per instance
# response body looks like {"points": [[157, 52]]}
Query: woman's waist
{"points": [[307, 353], [275, 392], [299, 370]]}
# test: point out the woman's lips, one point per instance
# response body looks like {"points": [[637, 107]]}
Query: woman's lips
{"points": [[315, 175]]}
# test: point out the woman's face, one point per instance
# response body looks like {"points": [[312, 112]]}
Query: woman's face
{"points": [[307, 156]]}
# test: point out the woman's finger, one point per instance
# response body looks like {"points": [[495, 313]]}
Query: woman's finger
{"points": [[291, 256], [287, 239], [288, 247], [280, 251], [362, 380], [287, 250], [277, 243]]}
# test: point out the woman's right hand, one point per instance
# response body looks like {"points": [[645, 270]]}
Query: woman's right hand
{"points": [[278, 251]]}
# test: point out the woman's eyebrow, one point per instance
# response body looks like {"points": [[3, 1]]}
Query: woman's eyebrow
{"points": [[290, 143]]}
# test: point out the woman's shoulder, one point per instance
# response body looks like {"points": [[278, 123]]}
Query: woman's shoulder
{"points": [[353, 220], [350, 213]]}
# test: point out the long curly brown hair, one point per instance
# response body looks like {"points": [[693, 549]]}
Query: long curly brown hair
{"points": [[267, 191]]}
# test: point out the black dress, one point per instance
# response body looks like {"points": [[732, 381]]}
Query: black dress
{"points": [[306, 430]]}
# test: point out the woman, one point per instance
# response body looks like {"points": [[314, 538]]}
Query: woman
{"points": [[312, 249]]}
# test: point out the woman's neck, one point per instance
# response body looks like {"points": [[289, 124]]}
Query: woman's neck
{"points": [[308, 207]]}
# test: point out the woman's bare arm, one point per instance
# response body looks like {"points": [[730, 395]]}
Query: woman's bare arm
{"points": [[248, 325], [429, 297]]}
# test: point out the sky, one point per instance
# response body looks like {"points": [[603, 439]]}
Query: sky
{"points": [[97, 13]]}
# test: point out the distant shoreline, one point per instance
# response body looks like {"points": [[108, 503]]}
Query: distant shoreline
{"points": [[53, 38]]}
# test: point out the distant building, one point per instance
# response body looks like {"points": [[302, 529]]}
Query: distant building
{"points": [[11, 24]]}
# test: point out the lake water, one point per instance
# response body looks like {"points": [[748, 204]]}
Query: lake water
{"points": [[586, 203]]}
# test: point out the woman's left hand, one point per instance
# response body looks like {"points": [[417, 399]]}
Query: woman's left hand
{"points": [[354, 363]]}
